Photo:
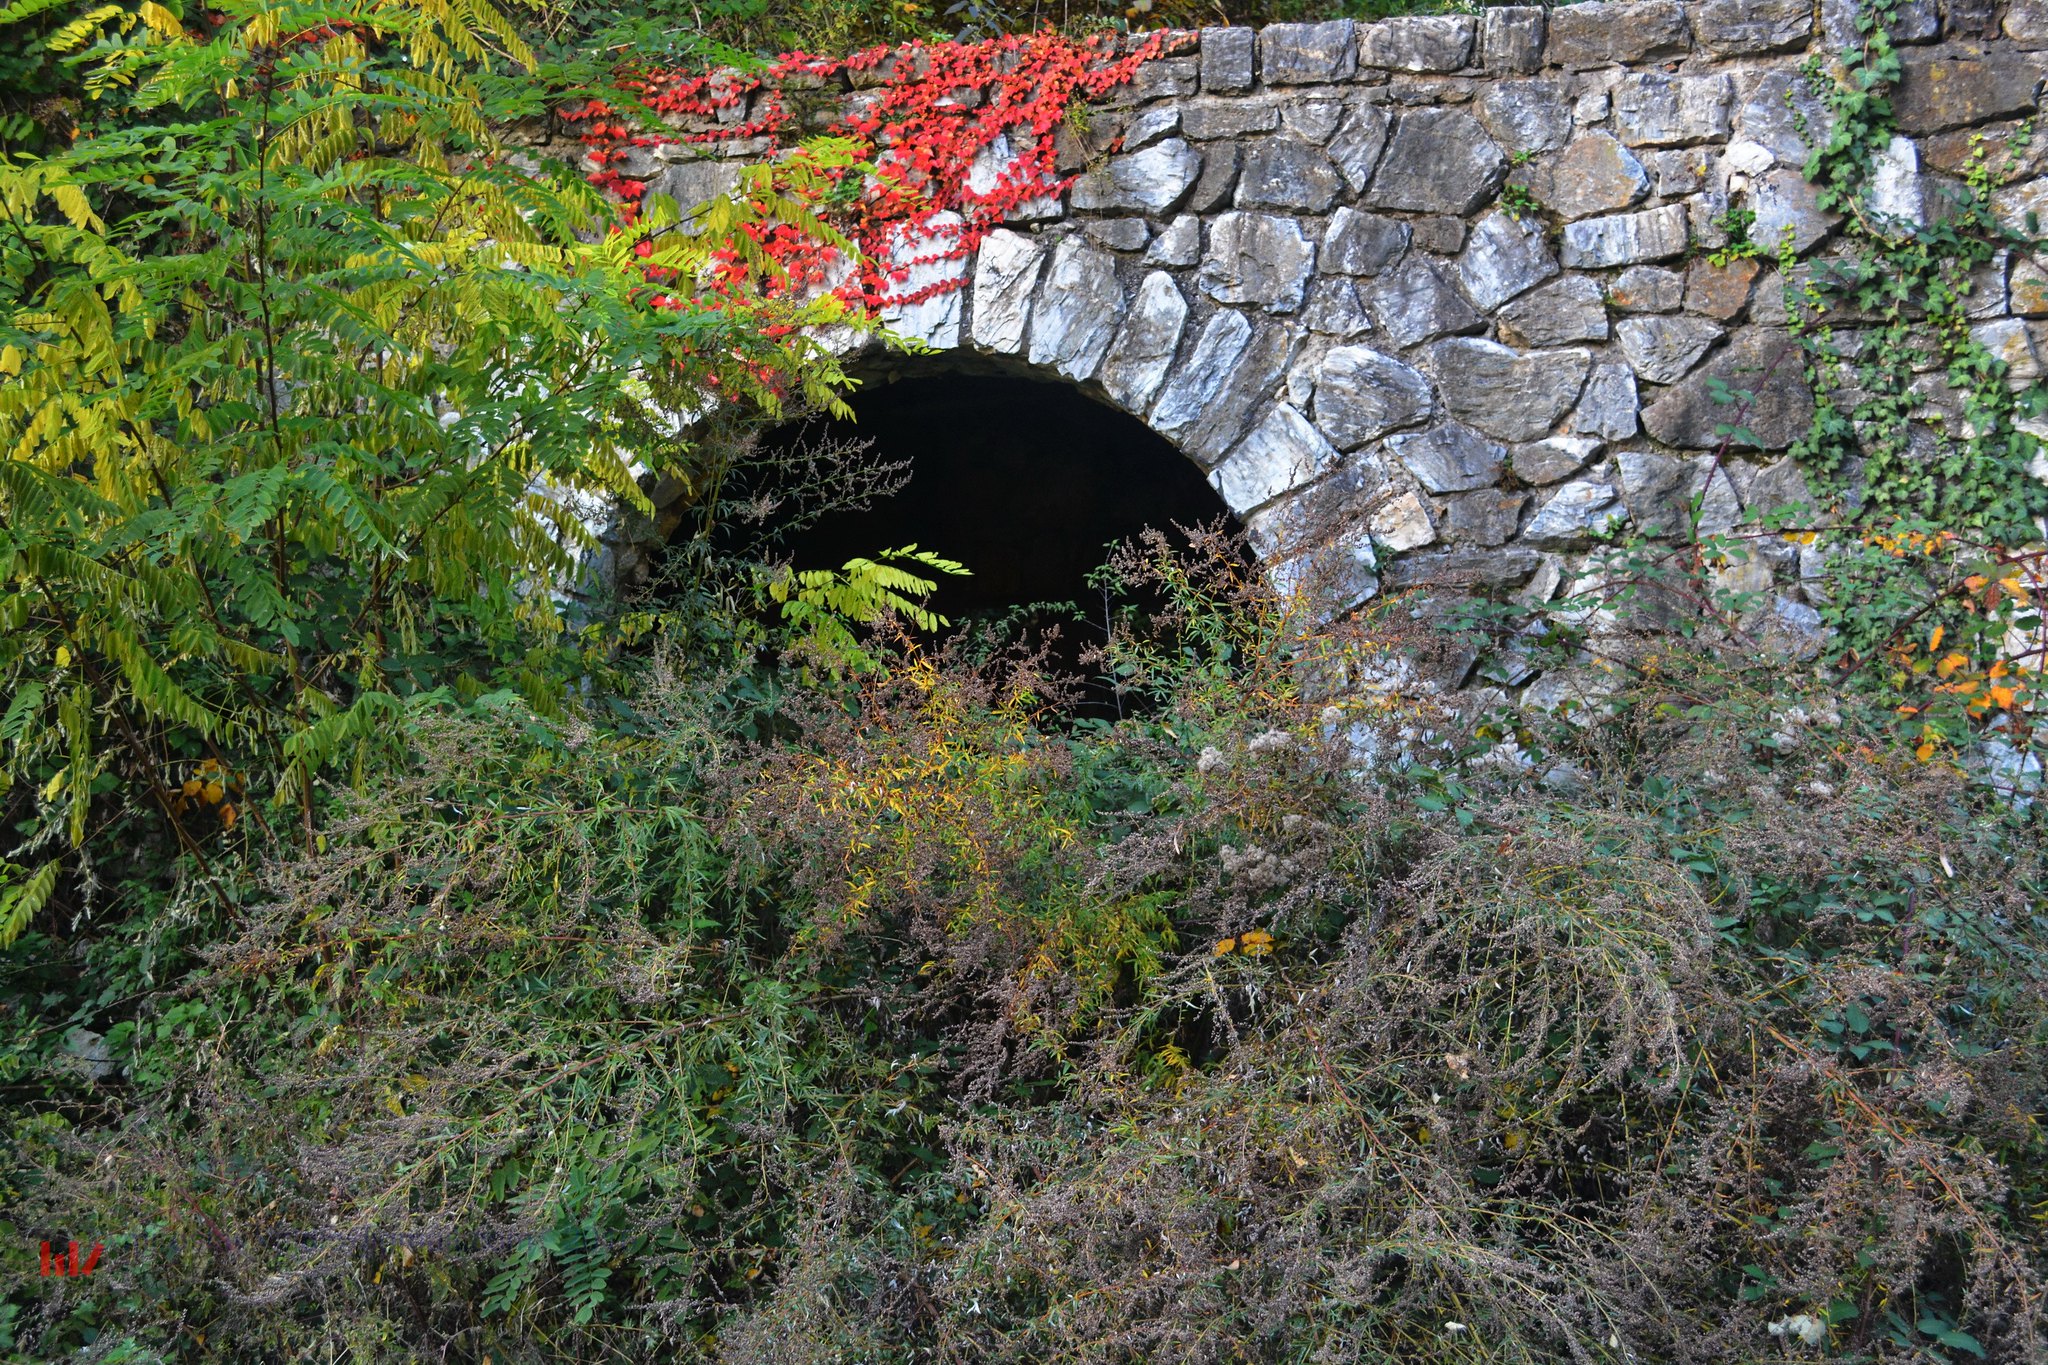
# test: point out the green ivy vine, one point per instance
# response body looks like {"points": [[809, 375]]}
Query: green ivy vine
{"points": [[1906, 288]]}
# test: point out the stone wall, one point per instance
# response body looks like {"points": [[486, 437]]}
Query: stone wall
{"points": [[1293, 252]]}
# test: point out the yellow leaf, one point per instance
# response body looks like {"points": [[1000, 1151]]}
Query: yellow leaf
{"points": [[1925, 751], [1950, 665], [1225, 945], [56, 785], [63, 656], [10, 360]]}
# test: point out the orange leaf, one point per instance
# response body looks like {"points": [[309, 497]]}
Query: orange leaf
{"points": [[1934, 640], [1925, 751]]}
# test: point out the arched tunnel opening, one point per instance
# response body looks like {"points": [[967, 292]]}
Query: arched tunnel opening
{"points": [[1027, 483]]}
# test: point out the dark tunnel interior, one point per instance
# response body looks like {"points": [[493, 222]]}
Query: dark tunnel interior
{"points": [[1025, 482]]}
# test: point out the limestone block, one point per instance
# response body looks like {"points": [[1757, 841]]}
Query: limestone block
{"points": [[1207, 400], [1155, 124], [1227, 59], [1662, 348], [1773, 112], [1759, 360], [1608, 407], [1414, 302], [1360, 395], [1308, 54], [1506, 567], [692, 184], [1449, 458], [1719, 291], [1403, 523], [1218, 178], [1915, 21], [921, 250], [1557, 314], [1334, 310], [1151, 180], [1510, 395], [1604, 34], [1552, 459], [1179, 243], [1505, 256], [1281, 453], [1656, 489], [1312, 120], [2026, 23], [1119, 234], [1648, 289], [1787, 204], [1143, 350], [1420, 43], [1626, 238], [1005, 272], [1356, 148], [1439, 161], [1594, 175], [1357, 243], [1511, 38], [1260, 259], [1736, 28], [1208, 120], [1575, 513], [1954, 86], [1286, 173], [1526, 116], [1486, 517], [1655, 110], [2007, 339], [1074, 316]]}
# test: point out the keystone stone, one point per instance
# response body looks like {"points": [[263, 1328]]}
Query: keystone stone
{"points": [[1283, 173], [1624, 238], [1506, 256], [1606, 34], [1227, 58], [921, 250], [1358, 243], [1509, 395], [1361, 395], [1557, 314], [1662, 349], [1595, 174], [1138, 361], [1258, 259], [1074, 317], [1527, 116], [1419, 43], [1954, 87], [1440, 161], [1205, 403], [1656, 110], [1449, 458], [1308, 54], [1735, 28], [1414, 303], [1763, 362], [1279, 454], [1150, 181], [1005, 272]]}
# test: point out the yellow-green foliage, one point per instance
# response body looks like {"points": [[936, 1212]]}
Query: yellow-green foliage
{"points": [[299, 373]]}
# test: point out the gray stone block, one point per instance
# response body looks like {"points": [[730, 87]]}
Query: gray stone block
{"points": [[1308, 54]]}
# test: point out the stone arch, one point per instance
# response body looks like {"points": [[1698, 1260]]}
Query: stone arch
{"points": [[1292, 253]]}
